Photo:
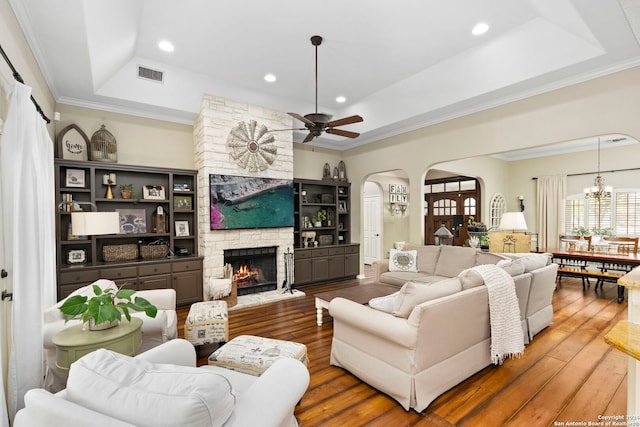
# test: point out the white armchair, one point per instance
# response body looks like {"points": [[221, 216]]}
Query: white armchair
{"points": [[168, 390], [155, 331]]}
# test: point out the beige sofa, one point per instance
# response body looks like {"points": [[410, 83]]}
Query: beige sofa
{"points": [[415, 355]]}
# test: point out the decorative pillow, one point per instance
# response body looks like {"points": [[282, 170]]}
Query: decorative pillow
{"points": [[386, 303], [403, 260], [470, 278], [412, 294], [171, 395], [514, 267], [534, 261]]}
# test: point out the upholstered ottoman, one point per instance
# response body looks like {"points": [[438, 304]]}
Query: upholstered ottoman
{"points": [[253, 355], [207, 323]]}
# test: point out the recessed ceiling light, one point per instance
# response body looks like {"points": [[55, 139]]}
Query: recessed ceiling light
{"points": [[269, 78], [480, 28], [341, 99], [166, 45]]}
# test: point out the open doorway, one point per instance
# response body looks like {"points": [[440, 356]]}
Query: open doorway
{"points": [[385, 214]]}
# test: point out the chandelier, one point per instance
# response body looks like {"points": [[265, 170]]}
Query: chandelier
{"points": [[599, 190]]}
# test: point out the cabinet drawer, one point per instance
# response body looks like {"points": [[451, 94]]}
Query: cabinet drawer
{"points": [[302, 254], [119, 273], [187, 265], [352, 249], [320, 252], [148, 270], [336, 251], [85, 277]]}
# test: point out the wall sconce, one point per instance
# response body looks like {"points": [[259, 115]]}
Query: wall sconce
{"points": [[521, 199], [397, 209]]}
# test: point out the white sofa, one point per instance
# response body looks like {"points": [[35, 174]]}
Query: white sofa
{"points": [[268, 400], [155, 331], [420, 352], [437, 263]]}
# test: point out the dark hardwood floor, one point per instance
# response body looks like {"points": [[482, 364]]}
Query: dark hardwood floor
{"points": [[568, 373]]}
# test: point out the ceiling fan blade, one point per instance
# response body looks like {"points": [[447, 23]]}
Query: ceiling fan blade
{"points": [[345, 121], [309, 137], [302, 119], [343, 133], [282, 130]]}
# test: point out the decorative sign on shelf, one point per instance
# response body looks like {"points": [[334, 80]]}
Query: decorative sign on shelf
{"points": [[73, 143]]}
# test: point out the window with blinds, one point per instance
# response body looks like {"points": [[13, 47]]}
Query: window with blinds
{"points": [[627, 215], [620, 213]]}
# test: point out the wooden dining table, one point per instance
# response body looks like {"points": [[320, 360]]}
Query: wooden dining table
{"points": [[602, 266]]}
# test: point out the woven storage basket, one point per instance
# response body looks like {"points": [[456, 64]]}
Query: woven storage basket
{"points": [[153, 251], [120, 252], [325, 239]]}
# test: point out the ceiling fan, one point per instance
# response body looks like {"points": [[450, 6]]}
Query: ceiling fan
{"points": [[316, 122]]}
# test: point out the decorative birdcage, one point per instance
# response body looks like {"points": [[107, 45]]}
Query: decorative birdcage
{"points": [[103, 146]]}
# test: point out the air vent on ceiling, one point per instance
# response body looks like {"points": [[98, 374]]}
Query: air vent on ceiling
{"points": [[150, 74]]}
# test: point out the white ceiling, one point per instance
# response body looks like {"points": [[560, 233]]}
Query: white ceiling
{"points": [[400, 65]]}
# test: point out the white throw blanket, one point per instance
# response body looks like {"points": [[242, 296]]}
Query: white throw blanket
{"points": [[507, 338]]}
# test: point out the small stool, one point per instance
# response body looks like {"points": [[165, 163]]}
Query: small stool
{"points": [[207, 323], [253, 355]]}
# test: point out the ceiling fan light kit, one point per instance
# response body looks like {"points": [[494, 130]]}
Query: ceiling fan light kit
{"points": [[317, 123]]}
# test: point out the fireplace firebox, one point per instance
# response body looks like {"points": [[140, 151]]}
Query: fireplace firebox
{"points": [[254, 269]]}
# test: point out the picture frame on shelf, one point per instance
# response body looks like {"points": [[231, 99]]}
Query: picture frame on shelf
{"points": [[153, 192], [182, 228], [342, 206], [75, 178], [182, 203], [132, 221], [77, 256]]}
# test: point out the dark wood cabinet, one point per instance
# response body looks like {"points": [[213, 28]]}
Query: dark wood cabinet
{"points": [[331, 263], [329, 255], [81, 260]]}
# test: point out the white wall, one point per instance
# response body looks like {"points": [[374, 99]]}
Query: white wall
{"points": [[141, 141]]}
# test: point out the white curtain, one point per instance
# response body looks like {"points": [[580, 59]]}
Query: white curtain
{"points": [[551, 195], [28, 254]]}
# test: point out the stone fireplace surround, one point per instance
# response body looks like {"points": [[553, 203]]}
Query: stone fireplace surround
{"points": [[218, 116]]}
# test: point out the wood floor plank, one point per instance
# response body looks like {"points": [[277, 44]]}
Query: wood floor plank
{"points": [[567, 371]]}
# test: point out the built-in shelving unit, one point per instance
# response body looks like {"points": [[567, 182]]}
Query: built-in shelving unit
{"points": [[329, 255], [81, 260]]}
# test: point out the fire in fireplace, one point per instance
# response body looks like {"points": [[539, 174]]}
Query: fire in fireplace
{"points": [[246, 276], [255, 269]]}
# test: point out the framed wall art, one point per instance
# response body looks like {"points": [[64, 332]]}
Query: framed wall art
{"points": [[182, 228], [75, 178], [153, 192], [73, 143], [182, 203], [132, 221]]}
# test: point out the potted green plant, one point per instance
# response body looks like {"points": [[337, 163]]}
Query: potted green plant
{"points": [[126, 190], [102, 311], [319, 217], [581, 231]]}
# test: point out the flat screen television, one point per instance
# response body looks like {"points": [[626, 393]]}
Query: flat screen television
{"points": [[241, 202]]}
